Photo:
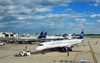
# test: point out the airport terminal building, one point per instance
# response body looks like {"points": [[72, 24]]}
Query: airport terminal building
{"points": [[8, 36]]}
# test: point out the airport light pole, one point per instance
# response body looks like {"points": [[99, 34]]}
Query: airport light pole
{"points": [[25, 31], [9, 30]]}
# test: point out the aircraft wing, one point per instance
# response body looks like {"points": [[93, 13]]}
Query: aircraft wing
{"points": [[86, 44], [53, 37]]}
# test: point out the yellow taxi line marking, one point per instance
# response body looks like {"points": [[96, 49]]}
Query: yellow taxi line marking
{"points": [[92, 53]]}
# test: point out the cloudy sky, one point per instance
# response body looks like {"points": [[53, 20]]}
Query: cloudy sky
{"points": [[53, 16]]}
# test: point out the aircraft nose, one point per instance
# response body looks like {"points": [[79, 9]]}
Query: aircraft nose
{"points": [[37, 48]]}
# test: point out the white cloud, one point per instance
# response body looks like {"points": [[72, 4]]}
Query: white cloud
{"points": [[20, 18], [6, 2], [26, 10], [80, 20], [98, 21], [11, 11], [91, 23], [64, 5], [1, 17], [30, 25], [95, 16], [41, 10], [56, 25], [66, 10], [97, 3], [17, 21], [11, 7], [4, 24], [97, 29]]}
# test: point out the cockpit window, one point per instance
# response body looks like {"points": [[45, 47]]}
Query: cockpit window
{"points": [[40, 44]]}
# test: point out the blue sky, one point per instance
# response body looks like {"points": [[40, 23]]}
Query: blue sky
{"points": [[53, 16]]}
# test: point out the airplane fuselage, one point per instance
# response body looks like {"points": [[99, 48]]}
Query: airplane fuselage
{"points": [[57, 44]]}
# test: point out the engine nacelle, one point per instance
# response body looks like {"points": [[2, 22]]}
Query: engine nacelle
{"points": [[66, 49]]}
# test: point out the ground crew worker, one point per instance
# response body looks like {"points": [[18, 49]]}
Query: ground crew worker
{"points": [[26, 47], [68, 53]]}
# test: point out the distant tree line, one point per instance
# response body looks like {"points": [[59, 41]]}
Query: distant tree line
{"points": [[88, 34]]}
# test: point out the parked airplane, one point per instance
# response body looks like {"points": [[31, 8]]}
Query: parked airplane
{"points": [[60, 37], [54, 37], [70, 37], [65, 45], [32, 39], [42, 37]]}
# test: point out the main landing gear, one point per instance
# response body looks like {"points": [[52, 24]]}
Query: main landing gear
{"points": [[43, 51]]}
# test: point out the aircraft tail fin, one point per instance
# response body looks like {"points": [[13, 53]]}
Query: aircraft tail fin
{"points": [[41, 34], [81, 35], [44, 36], [65, 35], [73, 34]]}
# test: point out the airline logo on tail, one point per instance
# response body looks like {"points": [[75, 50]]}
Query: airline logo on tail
{"points": [[65, 35], [81, 35], [73, 34], [43, 36]]}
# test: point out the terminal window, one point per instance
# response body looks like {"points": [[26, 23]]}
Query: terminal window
{"points": [[11, 35], [6, 35]]}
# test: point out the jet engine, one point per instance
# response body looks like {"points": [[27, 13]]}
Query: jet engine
{"points": [[66, 49]]}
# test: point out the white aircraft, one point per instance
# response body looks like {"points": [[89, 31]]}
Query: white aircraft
{"points": [[54, 37], [46, 38], [65, 45], [32, 39], [42, 37], [70, 37]]}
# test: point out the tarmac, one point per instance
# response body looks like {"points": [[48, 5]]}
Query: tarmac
{"points": [[8, 51]]}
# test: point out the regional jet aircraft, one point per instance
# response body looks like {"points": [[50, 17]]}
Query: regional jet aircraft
{"points": [[46, 38], [32, 39], [70, 37], [42, 37], [65, 45]]}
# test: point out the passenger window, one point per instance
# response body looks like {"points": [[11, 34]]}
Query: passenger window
{"points": [[40, 44]]}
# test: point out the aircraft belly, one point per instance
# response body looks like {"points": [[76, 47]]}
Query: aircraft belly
{"points": [[28, 39]]}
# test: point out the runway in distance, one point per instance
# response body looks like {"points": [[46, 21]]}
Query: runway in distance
{"points": [[65, 45]]}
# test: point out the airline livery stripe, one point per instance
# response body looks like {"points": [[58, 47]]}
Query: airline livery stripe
{"points": [[59, 46]]}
